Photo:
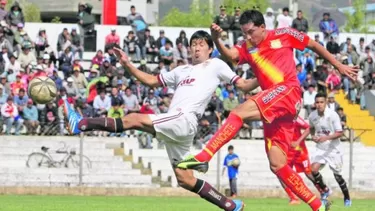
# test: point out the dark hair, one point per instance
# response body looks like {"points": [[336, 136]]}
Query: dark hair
{"points": [[311, 85], [116, 102], [21, 90], [340, 109], [230, 147], [285, 9], [204, 36], [132, 7], [128, 88], [299, 11], [252, 16], [321, 94]]}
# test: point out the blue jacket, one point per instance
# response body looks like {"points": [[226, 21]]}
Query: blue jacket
{"points": [[30, 113], [332, 24]]}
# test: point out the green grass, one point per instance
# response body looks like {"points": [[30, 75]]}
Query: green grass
{"points": [[98, 203]]}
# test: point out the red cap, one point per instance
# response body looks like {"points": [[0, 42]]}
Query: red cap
{"points": [[30, 101]]}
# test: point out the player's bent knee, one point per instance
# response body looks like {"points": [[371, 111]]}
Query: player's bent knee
{"points": [[248, 110]]}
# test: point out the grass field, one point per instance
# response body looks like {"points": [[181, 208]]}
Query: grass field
{"points": [[96, 203]]}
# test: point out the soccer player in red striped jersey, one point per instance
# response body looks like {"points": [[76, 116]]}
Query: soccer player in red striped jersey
{"points": [[270, 54]]}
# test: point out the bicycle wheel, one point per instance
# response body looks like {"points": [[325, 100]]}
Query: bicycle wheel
{"points": [[73, 162], [38, 160]]}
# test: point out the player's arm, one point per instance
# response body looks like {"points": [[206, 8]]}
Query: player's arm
{"points": [[247, 85], [229, 53], [145, 78], [301, 123]]}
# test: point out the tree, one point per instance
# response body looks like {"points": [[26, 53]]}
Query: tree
{"points": [[199, 14], [356, 21], [30, 10]]}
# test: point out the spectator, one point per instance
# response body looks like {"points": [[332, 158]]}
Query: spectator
{"points": [[308, 81], [300, 23], [107, 67], [143, 67], [224, 39], [332, 46], [161, 68], [47, 64], [134, 15], [112, 38], [317, 39], [131, 101], [345, 45], [332, 104], [18, 85], [77, 46], [63, 40], [98, 58], [26, 57], [232, 170], [208, 124], [111, 55], [301, 73], [228, 88], [102, 103], [3, 96], [352, 56], [284, 20], [86, 109], [120, 78], [166, 53], [71, 89], [223, 20], [230, 103], [218, 104], [138, 24], [361, 46], [367, 54], [162, 40], [5, 42], [5, 84], [115, 112], [94, 73], [328, 27], [372, 46], [65, 62], [11, 117], [30, 115], [49, 121], [56, 78], [86, 20], [307, 61], [152, 100], [80, 82], [3, 12], [15, 15], [150, 46], [309, 99], [269, 19], [342, 116], [235, 24], [131, 46], [13, 64], [333, 80], [183, 39], [116, 98], [180, 53], [41, 42], [147, 108]]}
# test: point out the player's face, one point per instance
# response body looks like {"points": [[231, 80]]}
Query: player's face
{"points": [[200, 51], [320, 104], [254, 34]]}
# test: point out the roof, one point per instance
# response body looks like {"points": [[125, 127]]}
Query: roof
{"points": [[369, 8]]}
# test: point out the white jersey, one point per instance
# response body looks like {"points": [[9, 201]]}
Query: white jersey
{"points": [[194, 84], [326, 125]]}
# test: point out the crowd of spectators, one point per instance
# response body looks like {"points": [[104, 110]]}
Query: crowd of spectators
{"points": [[106, 89]]}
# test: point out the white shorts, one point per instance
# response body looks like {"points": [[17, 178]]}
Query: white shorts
{"points": [[177, 130], [333, 158]]}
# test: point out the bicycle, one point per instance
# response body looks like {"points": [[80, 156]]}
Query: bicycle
{"points": [[44, 159]]}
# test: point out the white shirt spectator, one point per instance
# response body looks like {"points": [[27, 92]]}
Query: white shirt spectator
{"points": [[131, 102], [309, 98], [284, 21], [100, 103], [269, 20], [16, 67]]}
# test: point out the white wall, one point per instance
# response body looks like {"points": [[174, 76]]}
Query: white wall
{"points": [[53, 30]]}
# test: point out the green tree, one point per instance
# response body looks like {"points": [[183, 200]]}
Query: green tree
{"points": [[199, 13], [30, 10], [56, 19], [356, 21]]}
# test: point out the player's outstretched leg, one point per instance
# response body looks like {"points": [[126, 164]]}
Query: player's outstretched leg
{"points": [[344, 189], [292, 180], [227, 131], [77, 124], [186, 180]]}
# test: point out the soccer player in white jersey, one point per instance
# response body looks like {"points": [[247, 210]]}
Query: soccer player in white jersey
{"points": [[194, 85], [326, 130]]}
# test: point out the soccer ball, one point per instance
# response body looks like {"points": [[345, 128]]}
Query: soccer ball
{"points": [[236, 162], [42, 89]]}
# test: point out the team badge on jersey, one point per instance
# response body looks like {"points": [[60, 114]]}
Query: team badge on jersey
{"points": [[275, 44]]}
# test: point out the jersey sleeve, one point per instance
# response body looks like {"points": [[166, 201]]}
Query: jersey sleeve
{"points": [[241, 48], [336, 122], [225, 73], [225, 161], [301, 123], [168, 78], [296, 39]]}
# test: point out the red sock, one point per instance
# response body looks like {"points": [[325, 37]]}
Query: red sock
{"points": [[226, 132], [290, 193], [293, 181]]}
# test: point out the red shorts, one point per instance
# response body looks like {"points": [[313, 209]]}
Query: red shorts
{"points": [[300, 160], [279, 106]]}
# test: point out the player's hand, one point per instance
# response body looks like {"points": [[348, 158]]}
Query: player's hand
{"points": [[215, 31], [122, 57], [294, 144], [351, 72], [315, 139]]}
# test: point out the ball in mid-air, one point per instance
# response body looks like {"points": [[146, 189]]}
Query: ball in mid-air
{"points": [[42, 89]]}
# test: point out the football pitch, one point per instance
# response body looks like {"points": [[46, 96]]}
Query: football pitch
{"points": [[102, 203]]}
